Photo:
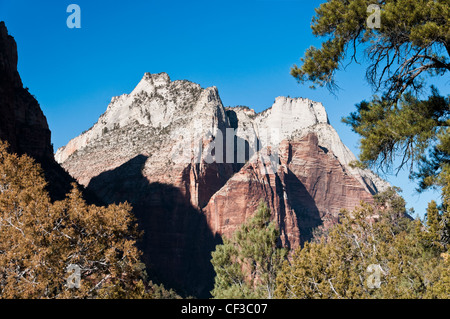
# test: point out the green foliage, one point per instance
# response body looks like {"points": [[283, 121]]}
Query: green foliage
{"points": [[338, 265], [407, 131], [40, 239], [432, 236], [246, 265], [411, 45], [413, 39]]}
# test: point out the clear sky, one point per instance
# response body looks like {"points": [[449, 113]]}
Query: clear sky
{"points": [[245, 48]]}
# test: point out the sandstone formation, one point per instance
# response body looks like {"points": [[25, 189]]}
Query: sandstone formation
{"points": [[307, 191], [195, 170], [22, 122], [133, 154]]}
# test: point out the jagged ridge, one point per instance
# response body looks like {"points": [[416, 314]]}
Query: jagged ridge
{"points": [[153, 148]]}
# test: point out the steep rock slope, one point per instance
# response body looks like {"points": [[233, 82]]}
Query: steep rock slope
{"points": [[194, 171], [136, 152], [306, 184], [160, 119], [22, 122], [306, 191]]}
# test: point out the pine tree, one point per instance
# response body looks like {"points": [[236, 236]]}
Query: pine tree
{"points": [[432, 237], [246, 265], [402, 126], [410, 42]]}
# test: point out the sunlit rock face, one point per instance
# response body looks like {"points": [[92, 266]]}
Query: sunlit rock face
{"points": [[195, 170]]}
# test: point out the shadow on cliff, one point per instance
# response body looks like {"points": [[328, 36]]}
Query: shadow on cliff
{"points": [[177, 241], [243, 151], [304, 206]]}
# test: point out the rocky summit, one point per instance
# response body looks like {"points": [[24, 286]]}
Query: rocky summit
{"points": [[195, 170]]}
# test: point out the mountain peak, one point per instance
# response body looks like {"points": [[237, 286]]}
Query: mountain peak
{"points": [[301, 108], [151, 82], [168, 109], [166, 149], [155, 103], [9, 57], [157, 78]]}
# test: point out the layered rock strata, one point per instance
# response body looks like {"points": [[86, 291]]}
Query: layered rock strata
{"points": [[195, 170]]}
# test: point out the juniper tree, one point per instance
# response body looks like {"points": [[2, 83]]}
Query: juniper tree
{"points": [[374, 252], [43, 244]]}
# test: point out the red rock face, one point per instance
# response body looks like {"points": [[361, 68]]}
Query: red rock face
{"points": [[177, 241], [307, 191], [184, 208], [22, 122]]}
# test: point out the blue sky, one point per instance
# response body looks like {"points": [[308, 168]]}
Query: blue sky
{"points": [[246, 48]]}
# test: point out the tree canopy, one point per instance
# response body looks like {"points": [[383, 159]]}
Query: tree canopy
{"points": [[406, 124], [44, 245], [374, 252], [413, 40]]}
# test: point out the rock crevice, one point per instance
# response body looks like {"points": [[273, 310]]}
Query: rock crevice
{"points": [[288, 155]]}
